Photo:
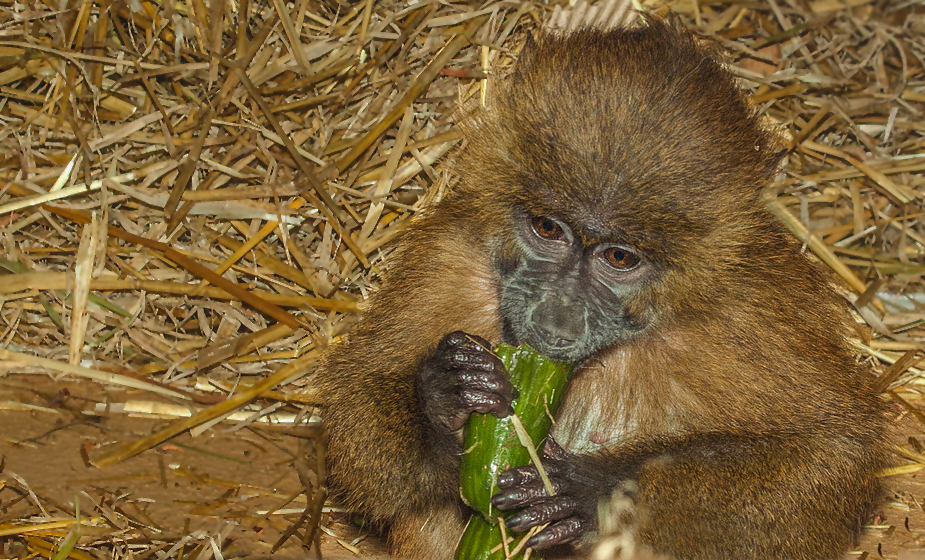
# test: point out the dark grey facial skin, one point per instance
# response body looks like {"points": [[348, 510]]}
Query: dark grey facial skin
{"points": [[563, 298]]}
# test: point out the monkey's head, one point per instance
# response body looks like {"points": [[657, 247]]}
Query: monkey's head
{"points": [[616, 177]]}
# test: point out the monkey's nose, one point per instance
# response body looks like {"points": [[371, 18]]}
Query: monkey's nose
{"points": [[559, 324]]}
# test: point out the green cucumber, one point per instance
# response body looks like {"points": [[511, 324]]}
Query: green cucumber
{"points": [[478, 539], [491, 445]]}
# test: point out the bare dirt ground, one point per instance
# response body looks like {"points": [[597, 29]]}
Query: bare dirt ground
{"points": [[213, 483], [225, 484], [898, 529]]}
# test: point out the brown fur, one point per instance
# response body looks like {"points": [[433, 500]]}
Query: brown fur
{"points": [[751, 430]]}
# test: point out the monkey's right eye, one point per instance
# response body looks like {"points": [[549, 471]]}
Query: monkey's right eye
{"points": [[547, 228]]}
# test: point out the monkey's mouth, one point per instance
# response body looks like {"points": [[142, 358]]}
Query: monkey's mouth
{"points": [[561, 349], [569, 351], [561, 345]]}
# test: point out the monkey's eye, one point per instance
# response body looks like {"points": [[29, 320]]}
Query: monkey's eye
{"points": [[547, 228], [620, 258]]}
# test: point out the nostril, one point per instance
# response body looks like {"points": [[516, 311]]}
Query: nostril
{"points": [[558, 329]]}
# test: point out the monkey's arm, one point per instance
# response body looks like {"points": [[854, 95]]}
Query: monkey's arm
{"points": [[799, 495], [391, 395], [394, 423]]}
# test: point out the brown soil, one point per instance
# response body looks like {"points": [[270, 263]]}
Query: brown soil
{"points": [[208, 482], [898, 530], [187, 485]]}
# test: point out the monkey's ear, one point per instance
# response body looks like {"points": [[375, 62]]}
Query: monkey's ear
{"points": [[525, 59]]}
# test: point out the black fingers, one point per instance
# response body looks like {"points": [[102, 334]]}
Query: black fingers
{"points": [[522, 495], [459, 339], [540, 513], [566, 531], [552, 450], [479, 381], [482, 382], [461, 377], [523, 488], [485, 402], [462, 350]]}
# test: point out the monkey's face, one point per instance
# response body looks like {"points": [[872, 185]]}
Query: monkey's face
{"points": [[616, 177], [566, 295]]}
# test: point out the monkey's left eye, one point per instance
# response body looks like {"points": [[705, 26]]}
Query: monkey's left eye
{"points": [[621, 259], [547, 228]]}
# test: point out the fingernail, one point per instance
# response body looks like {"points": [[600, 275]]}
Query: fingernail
{"points": [[540, 541], [456, 338], [516, 522]]}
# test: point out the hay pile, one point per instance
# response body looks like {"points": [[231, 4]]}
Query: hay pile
{"points": [[195, 198]]}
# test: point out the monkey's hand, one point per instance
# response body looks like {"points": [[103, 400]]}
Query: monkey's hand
{"points": [[461, 377], [570, 513]]}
